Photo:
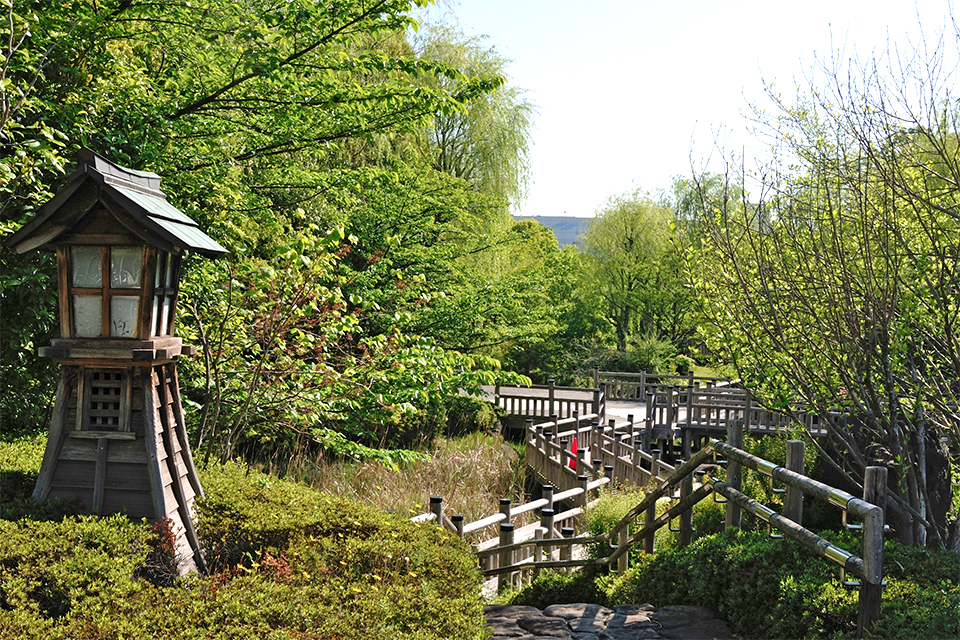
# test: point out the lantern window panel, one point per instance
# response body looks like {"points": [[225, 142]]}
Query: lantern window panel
{"points": [[124, 314], [126, 266], [105, 289], [87, 316], [87, 267], [164, 295]]}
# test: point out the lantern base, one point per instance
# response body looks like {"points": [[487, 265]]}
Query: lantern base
{"points": [[118, 444]]}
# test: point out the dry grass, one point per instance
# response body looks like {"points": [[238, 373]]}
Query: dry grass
{"points": [[471, 473]]}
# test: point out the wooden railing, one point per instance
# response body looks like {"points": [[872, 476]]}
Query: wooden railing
{"points": [[518, 553], [549, 400], [636, 386]]}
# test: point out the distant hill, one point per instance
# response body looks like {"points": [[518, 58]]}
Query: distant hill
{"points": [[569, 230]]}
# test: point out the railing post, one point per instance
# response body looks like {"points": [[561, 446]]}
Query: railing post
{"points": [[671, 406], [584, 481], [457, 519], [596, 378], [734, 471], [793, 498], [546, 523], [537, 551], [596, 400], [643, 387], [604, 387], [436, 507], [648, 517], [616, 448], [506, 557], [564, 447], [747, 410], [623, 538], [596, 444], [550, 391], [566, 551], [871, 589], [505, 508], [546, 492], [686, 488]]}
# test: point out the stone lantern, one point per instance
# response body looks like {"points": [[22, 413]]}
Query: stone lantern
{"points": [[117, 438]]}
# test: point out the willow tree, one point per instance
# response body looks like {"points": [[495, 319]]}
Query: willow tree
{"points": [[834, 284], [487, 143], [636, 268]]}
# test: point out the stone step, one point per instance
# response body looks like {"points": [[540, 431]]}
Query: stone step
{"points": [[582, 621]]}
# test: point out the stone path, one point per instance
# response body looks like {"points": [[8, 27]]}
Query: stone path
{"points": [[593, 622]]}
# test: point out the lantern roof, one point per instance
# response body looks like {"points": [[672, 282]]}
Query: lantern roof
{"points": [[132, 197]]}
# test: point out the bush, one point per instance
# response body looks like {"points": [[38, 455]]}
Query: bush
{"points": [[20, 460], [708, 518], [766, 588], [289, 562], [555, 587], [683, 365], [466, 414]]}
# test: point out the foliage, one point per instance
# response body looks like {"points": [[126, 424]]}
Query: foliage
{"points": [[612, 506], [831, 286], [487, 143], [290, 134], [466, 414], [556, 587], [302, 564], [471, 473], [636, 263], [773, 588]]}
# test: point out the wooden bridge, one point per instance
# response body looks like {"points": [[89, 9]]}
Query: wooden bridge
{"points": [[660, 450], [669, 408]]}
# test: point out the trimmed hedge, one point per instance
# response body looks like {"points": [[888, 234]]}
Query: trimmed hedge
{"points": [[287, 562]]}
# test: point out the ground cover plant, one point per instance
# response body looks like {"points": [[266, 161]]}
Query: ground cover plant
{"points": [[286, 562]]}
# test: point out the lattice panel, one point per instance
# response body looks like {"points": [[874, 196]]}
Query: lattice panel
{"points": [[105, 399]]}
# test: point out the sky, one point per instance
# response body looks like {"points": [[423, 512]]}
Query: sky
{"points": [[633, 92]]}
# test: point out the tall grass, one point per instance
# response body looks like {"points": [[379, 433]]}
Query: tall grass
{"points": [[471, 473]]}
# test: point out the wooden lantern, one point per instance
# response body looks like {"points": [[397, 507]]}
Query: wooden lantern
{"points": [[117, 438]]}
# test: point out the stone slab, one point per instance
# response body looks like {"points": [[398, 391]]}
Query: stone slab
{"points": [[545, 626], [577, 610], [681, 615]]}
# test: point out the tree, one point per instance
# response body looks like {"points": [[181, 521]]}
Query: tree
{"points": [[636, 262], [256, 115], [487, 143], [833, 287]]}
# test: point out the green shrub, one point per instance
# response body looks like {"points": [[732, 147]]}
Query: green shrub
{"points": [[20, 460], [466, 414], [555, 587], [766, 588], [289, 563], [612, 506], [683, 365]]}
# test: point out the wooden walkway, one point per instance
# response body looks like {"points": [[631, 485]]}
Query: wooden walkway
{"points": [[669, 409]]}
